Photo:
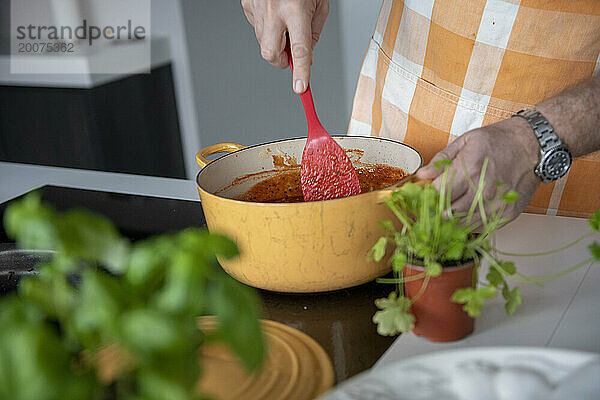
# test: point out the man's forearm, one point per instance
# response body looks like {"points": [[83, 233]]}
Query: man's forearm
{"points": [[575, 116]]}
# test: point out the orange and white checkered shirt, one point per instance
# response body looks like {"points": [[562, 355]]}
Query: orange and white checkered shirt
{"points": [[437, 68]]}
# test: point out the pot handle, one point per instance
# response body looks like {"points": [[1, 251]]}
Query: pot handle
{"points": [[214, 149], [383, 194]]}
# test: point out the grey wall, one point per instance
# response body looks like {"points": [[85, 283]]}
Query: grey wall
{"points": [[4, 26], [358, 18], [241, 98]]}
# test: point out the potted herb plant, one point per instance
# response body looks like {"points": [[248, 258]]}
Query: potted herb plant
{"points": [[111, 319], [436, 257]]}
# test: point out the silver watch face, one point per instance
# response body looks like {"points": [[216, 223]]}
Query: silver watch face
{"points": [[556, 164]]}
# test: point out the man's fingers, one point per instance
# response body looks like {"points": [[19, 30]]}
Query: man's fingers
{"points": [[258, 31], [449, 153], [272, 44], [299, 28], [249, 17], [247, 7], [428, 172], [319, 21], [463, 203], [489, 191], [457, 183], [302, 19]]}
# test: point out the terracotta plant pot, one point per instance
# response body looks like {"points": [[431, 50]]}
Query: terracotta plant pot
{"points": [[437, 318]]}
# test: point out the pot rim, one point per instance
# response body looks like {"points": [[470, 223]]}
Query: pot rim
{"points": [[304, 202], [466, 265]]}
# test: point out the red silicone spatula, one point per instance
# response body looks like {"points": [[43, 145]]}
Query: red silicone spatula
{"points": [[326, 171]]}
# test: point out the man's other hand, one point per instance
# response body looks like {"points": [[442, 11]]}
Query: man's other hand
{"points": [[512, 151]]}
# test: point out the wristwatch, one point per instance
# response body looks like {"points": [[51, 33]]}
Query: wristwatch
{"points": [[555, 158]]}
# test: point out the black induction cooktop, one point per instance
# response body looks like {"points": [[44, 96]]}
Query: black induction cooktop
{"points": [[340, 321], [136, 217]]}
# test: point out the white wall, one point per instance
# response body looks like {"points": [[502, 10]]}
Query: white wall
{"points": [[241, 98]]}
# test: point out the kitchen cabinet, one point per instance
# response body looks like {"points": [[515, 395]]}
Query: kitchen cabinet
{"points": [[128, 125]]}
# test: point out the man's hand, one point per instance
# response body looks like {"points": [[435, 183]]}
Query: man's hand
{"points": [[512, 151], [303, 19]]}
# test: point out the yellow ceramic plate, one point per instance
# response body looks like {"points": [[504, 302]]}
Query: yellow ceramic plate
{"points": [[296, 368]]}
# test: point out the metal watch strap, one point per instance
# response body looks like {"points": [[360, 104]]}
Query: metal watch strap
{"points": [[542, 129], [555, 158]]}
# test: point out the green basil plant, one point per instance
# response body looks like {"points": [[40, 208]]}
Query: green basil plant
{"points": [[128, 329]]}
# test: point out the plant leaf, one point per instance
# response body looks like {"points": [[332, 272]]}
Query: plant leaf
{"points": [[393, 317], [31, 223], [433, 269], [237, 309], [393, 321], [398, 261], [473, 307], [514, 300], [459, 234], [92, 237], [494, 277], [505, 291], [393, 300], [462, 295], [155, 385], [33, 362], [510, 196], [50, 291], [455, 251], [595, 221], [378, 250], [101, 301], [486, 292], [595, 250], [508, 267], [206, 245], [149, 330], [473, 299], [148, 261], [218, 244], [410, 192], [442, 163], [185, 277], [56, 326], [387, 225], [498, 184]]}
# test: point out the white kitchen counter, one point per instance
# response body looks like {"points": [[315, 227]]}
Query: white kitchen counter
{"points": [[16, 179], [564, 313]]}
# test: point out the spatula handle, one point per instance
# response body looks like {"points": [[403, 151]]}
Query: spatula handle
{"points": [[315, 129]]}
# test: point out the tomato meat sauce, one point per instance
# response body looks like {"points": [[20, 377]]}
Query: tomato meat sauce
{"points": [[285, 186]]}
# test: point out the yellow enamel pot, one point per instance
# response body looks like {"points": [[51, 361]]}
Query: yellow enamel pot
{"points": [[297, 247]]}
